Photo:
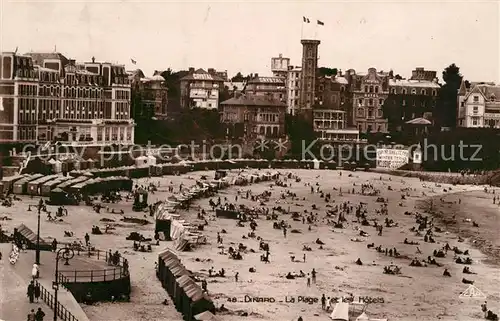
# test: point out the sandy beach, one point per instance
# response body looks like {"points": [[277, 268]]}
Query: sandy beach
{"points": [[418, 293]]}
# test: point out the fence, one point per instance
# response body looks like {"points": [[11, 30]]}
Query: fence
{"points": [[92, 275], [48, 298], [118, 271]]}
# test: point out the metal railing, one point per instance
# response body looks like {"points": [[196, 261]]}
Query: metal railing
{"points": [[91, 276], [48, 298], [117, 271]]}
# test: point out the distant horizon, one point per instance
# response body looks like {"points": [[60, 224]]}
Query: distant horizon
{"points": [[243, 37]]}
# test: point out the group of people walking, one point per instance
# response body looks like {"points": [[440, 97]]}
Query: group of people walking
{"points": [[33, 294]]}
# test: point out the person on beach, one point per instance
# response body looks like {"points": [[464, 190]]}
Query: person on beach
{"points": [[31, 315], [37, 291], [31, 291], [39, 315]]}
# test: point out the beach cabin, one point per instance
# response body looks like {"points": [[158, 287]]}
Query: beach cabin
{"points": [[21, 186], [8, 182], [35, 186], [65, 185], [49, 185], [24, 233], [194, 301]]}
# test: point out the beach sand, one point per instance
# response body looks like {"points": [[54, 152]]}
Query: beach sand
{"points": [[420, 293]]}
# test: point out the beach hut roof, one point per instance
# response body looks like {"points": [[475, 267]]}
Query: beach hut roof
{"points": [[363, 317], [205, 316], [340, 312]]}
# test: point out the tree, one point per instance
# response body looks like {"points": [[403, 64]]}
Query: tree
{"points": [[447, 102], [324, 71], [224, 94], [238, 77]]}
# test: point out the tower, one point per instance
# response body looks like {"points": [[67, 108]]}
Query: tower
{"points": [[279, 66], [308, 76]]}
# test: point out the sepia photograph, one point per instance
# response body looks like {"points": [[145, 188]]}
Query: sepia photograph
{"points": [[286, 160]]}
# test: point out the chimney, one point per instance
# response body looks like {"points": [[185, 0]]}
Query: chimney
{"points": [[256, 75], [191, 70], [93, 59], [211, 71]]}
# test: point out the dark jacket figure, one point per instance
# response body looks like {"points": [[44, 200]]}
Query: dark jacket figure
{"points": [[39, 315], [37, 292], [31, 291]]}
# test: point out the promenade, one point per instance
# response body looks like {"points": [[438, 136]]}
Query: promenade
{"points": [[15, 279], [14, 304]]}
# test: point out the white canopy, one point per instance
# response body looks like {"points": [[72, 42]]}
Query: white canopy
{"points": [[340, 312]]}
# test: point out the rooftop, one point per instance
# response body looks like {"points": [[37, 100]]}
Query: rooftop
{"points": [[201, 74], [490, 92], [268, 80], [39, 57], [414, 83]]}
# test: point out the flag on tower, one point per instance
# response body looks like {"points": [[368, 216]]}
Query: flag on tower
{"points": [[321, 23], [133, 61], [306, 20]]}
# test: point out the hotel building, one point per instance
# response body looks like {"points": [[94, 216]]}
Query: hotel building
{"points": [[48, 97], [201, 89]]}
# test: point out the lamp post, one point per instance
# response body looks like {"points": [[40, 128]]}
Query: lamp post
{"points": [[37, 252], [66, 254]]}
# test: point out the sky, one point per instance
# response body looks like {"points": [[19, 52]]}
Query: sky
{"points": [[244, 35]]}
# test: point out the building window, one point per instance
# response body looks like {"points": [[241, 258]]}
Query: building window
{"points": [[423, 92], [474, 121], [360, 102], [476, 99], [404, 91], [366, 89], [370, 113], [360, 127], [393, 90], [360, 112], [475, 109], [342, 89], [413, 91], [371, 89], [376, 89], [380, 102], [370, 102]]}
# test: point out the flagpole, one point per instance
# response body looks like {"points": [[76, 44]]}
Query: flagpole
{"points": [[302, 30]]}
